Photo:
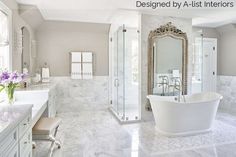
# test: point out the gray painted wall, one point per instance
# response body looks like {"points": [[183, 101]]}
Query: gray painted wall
{"points": [[55, 40], [227, 50]]}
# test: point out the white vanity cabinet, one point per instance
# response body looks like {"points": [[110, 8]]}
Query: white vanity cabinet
{"points": [[16, 138], [8, 144]]}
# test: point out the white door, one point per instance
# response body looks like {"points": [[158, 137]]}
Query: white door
{"points": [[209, 64]]}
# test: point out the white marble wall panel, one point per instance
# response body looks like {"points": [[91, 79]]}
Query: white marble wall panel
{"points": [[226, 85], [93, 93], [151, 22]]}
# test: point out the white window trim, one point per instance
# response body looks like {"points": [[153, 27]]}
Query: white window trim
{"points": [[8, 11]]}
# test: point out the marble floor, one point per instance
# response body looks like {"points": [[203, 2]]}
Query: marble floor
{"points": [[94, 132]]}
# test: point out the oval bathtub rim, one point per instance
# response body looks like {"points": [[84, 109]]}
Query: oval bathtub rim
{"points": [[220, 97]]}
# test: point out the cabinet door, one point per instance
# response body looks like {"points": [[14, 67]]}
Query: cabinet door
{"points": [[9, 141], [24, 125], [26, 144], [14, 152]]}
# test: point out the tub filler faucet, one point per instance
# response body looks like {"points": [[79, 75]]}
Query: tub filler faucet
{"points": [[164, 84], [178, 87]]}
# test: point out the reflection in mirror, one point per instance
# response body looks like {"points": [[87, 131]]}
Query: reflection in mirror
{"points": [[25, 58], [168, 61]]}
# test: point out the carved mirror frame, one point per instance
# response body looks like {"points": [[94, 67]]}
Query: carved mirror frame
{"points": [[163, 31]]}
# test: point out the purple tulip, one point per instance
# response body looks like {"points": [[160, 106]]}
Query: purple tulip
{"points": [[14, 77], [4, 77]]}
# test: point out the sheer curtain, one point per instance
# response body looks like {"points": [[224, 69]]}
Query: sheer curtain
{"points": [[4, 41]]}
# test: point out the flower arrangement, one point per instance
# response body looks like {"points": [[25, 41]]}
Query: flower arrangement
{"points": [[10, 81]]}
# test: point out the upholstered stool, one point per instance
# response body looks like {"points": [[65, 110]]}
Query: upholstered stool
{"points": [[46, 129]]}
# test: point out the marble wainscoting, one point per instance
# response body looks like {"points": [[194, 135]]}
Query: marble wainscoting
{"points": [[88, 94], [226, 85]]}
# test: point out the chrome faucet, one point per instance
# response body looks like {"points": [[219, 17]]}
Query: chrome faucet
{"points": [[178, 86], [165, 81]]}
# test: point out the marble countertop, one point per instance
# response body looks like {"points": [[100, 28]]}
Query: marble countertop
{"points": [[10, 116], [39, 87]]}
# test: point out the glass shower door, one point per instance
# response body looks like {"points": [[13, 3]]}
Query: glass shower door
{"points": [[131, 64], [118, 73], [114, 73], [121, 73]]}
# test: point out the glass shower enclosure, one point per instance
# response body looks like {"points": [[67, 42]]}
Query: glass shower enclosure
{"points": [[124, 75]]}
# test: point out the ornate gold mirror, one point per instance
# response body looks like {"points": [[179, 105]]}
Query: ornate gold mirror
{"points": [[167, 61]]}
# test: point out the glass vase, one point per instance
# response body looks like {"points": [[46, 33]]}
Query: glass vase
{"points": [[10, 95]]}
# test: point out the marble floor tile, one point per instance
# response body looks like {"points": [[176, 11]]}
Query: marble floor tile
{"points": [[87, 132]]}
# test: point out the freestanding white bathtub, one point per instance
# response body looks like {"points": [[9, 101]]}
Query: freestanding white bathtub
{"points": [[194, 116]]}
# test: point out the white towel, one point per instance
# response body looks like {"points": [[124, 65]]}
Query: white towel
{"points": [[75, 56], [87, 57], [87, 70], [76, 72]]}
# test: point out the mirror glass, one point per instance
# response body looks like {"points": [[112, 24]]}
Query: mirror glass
{"points": [[25, 63], [168, 61]]}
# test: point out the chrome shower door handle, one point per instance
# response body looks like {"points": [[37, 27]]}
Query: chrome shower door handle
{"points": [[116, 82]]}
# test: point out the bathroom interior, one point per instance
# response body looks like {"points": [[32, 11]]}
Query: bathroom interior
{"points": [[113, 80]]}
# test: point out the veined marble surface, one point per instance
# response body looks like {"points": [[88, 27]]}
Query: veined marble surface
{"points": [[10, 116], [92, 92], [226, 85], [89, 131], [39, 87]]}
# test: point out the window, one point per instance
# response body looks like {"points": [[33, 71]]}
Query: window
{"points": [[4, 40]]}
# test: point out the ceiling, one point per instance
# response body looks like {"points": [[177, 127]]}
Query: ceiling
{"points": [[101, 11]]}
